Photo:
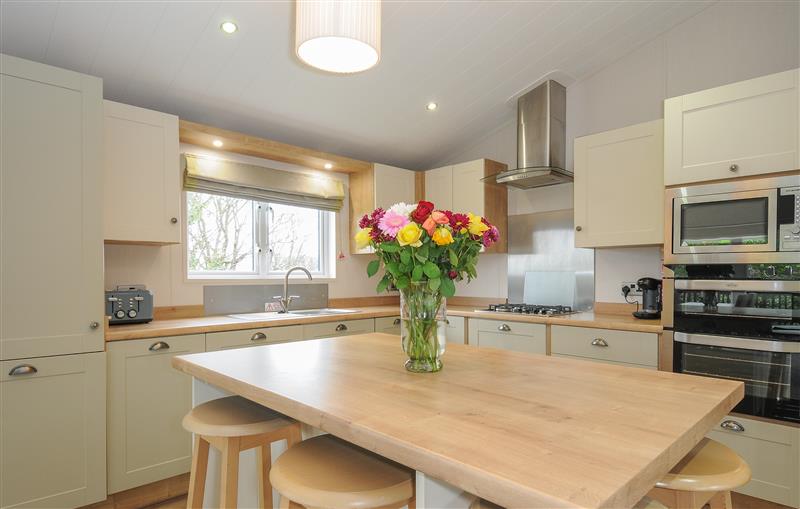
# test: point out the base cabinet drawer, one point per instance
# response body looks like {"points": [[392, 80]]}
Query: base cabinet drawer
{"points": [[252, 337], [521, 337], [147, 400], [455, 329], [342, 328], [388, 325], [53, 440], [626, 347], [773, 453]]}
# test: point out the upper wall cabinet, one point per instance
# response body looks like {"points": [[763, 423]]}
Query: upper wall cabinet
{"points": [[142, 176], [619, 187], [745, 128], [460, 187], [383, 186]]}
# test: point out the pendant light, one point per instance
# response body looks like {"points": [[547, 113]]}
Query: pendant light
{"points": [[340, 36]]}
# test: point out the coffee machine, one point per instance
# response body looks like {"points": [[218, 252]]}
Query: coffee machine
{"points": [[651, 298]]}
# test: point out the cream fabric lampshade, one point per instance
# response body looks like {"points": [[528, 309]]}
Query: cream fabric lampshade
{"points": [[342, 36]]}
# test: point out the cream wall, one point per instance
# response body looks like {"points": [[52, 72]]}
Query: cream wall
{"points": [[728, 42], [162, 268]]}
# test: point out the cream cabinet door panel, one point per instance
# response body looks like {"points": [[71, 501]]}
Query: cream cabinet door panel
{"points": [[468, 188], [512, 342], [142, 175], [750, 127], [342, 328], [439, 187], [605, 345], [388, 325], [619, 187], [147, 401], [393, 185], [53, 440], [455, 329], [252, 337], [773, 453], [51, 246]]}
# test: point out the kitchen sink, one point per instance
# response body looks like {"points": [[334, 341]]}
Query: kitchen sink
{"points": [[323, 311], [260, 317]]}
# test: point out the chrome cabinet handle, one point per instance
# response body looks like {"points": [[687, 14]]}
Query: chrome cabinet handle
{"points": [[732, 426], [23, 369], [396, 321], [341, 327], [94, 325], [734, 167], [258, 336], [599, 342], [578, 228], [173, 220], [504, 328], [159, 345]]}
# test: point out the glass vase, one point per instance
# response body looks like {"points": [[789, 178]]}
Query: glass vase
{"points": [[422, 327]]}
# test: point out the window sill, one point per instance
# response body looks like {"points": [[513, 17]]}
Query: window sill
{"points": [[249, 280]]}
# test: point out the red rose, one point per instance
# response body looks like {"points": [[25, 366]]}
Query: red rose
{"points": [[423, 210], [452, 274]]}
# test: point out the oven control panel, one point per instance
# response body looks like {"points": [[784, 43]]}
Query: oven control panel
{"points": [[789, 219]]}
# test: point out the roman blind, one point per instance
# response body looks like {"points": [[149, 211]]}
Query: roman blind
{"points": [[241, 180]]}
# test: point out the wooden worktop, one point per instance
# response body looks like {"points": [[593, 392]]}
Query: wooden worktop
{"points": [[203, 324], [518, 429]]}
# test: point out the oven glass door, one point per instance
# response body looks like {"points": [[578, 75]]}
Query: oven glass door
{"points": [[731, 222]]}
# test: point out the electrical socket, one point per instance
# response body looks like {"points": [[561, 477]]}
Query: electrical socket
{"points": [[635, 290]]}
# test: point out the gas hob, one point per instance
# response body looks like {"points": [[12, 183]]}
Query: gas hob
{"points": [[529, 309]]}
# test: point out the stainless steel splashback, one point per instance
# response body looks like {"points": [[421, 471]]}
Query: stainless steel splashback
{"points": [[543, 261]]}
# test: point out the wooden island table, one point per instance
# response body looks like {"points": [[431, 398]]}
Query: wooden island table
{"points": [[518, 429]]}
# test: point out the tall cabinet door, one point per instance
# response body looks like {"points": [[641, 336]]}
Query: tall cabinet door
{"points": [[468, 188], [142, 175], [393, 185], [619, 187], [147, 400], [53, 440], [439, 187], [51, 246]]}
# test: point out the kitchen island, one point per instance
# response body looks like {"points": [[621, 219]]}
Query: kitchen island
{"points": [[518, 429]]}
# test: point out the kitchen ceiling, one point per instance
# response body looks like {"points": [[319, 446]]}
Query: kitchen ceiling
{"points": [[469, 57]]}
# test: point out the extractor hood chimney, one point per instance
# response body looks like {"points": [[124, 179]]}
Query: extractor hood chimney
{"points": [[541, 139]]}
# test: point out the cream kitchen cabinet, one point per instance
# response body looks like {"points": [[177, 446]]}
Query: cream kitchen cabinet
{"points": [[382, 187], [51, 253], [460, 188], [341, 328], [252, 337], [456, 329], [613, 346], [619, 187], [388, 325], [142, 176], [744, 128], [773, 453], [53, 444], [522, 337], [147, 399]]}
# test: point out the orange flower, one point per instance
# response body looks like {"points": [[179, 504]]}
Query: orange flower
{"points": [[429, 225]]}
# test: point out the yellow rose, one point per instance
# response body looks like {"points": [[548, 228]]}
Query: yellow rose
{"points": [[442, 237], [363, 238], [476, 226], [410, 235]]}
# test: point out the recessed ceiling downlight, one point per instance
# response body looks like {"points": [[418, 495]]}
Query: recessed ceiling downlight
{"points": [[228, 27], [328, 166], [431, 106], [217, 143], [340, 37]]}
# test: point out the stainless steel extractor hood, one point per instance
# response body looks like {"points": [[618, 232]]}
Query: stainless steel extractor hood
{"points": [[541, 139]]}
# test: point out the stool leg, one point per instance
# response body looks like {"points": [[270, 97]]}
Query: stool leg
{"points": [[197, 477], [229, 482], [264, 463], [294, 435], [721, 500], [285, 502]]}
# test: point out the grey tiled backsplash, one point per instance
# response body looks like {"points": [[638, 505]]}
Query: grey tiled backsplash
{"points": [[226, 299]]}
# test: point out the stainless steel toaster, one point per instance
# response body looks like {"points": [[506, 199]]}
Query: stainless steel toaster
{"points": [[129, 304]]}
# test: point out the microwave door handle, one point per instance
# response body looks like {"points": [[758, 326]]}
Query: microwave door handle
{"points": [[793, 330]]}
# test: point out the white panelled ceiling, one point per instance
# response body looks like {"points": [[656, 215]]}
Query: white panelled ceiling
{"points": [[471, 57]]}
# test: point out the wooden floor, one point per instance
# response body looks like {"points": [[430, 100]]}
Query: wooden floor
{"points": [[739, 502]]}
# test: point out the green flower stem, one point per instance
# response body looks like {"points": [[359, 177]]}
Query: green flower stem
{"points": [[421, 316]]}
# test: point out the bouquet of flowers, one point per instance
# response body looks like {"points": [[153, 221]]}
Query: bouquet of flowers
{"points": [[424, 251]]}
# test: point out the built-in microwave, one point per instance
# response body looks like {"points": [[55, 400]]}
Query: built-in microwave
{"points": [[745, 221]]}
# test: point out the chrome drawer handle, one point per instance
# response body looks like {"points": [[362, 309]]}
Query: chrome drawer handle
{"points": [[23, 369], [396, 321], [341, 327], [94, 325], [159, 345], [732, 426], [258, 336], [734, 167], [599, 342], [504, 328]]}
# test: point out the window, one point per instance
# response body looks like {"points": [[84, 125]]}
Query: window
{"points": [[238, 238]]}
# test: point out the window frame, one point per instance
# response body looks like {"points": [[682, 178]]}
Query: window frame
{"points": [[262, 256]]}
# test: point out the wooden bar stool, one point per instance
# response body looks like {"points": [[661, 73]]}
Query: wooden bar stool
{"points": [[325, 472], [707, 475], [232, 425], [645, 503]]}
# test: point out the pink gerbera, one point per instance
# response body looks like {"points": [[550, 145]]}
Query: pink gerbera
{"points": [[391, 223]]}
